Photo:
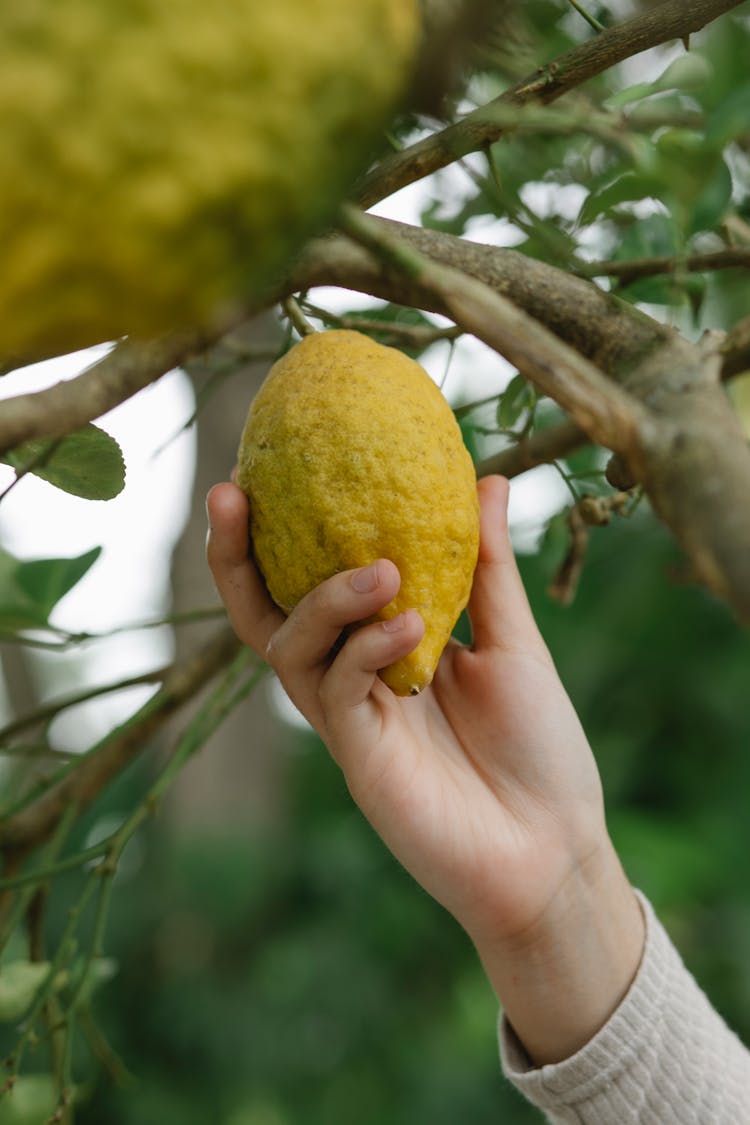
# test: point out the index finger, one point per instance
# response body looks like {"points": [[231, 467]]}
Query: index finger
{"points": [[253, 615]]}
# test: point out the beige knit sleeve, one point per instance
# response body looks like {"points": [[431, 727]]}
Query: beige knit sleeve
{"points": [[665, 1057]]}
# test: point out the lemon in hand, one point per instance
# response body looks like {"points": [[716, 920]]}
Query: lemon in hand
{"points": [[350, 453]]}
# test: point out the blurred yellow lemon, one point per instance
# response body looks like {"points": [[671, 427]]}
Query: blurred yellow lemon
{"points": [[162, 159], [350, 453]]}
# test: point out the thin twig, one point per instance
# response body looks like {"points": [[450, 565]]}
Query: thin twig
{"points": [[730, 258], [674, 19], [541, 448], [68, 640], [297, 318], [590, 20], [416, 335], [20, 903], [103, 1050], [50, 710]]}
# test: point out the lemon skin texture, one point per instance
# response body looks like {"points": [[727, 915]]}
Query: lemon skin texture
{"points": [[350, 453], [163, 160]]}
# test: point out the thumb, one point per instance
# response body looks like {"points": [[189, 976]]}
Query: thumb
{"points": [[498, 608]]}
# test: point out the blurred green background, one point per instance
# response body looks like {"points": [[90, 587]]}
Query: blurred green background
{"points": [[302, 978]]}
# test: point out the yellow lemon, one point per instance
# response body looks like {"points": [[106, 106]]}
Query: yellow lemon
{"points": [[350, 453], [164, 158]]}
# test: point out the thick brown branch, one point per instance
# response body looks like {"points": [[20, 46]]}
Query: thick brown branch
{"points": [[608, 331], [675, 19], [33, 823]]}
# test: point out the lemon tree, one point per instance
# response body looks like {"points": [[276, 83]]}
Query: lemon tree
{"points": [[170, 171]]}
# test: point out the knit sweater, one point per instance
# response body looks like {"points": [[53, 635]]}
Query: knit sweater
{"points": [[664, 1057]]}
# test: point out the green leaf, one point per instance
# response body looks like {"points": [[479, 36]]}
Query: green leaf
{"points": [[688, 72], [660, 290], [46, 581], [711, 204], [516, 397], [87, 463], [29, 591], [652, 237], [730, 119], [626, 188], [630, 94], [19, 982]]}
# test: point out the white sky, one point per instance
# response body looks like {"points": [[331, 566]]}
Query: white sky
{"points": [[138, 529]]}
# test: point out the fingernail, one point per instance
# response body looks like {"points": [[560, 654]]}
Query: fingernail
{"points": [[393, 624], [364, 581]]}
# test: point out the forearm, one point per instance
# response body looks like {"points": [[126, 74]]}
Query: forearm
{"points": [[560, 980]]}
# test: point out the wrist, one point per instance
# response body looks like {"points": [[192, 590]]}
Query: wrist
{"points": [[562, 977]]}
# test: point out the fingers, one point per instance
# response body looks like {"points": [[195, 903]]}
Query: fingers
{"points": [[300, 650], [349, 682], [498, 608], [252, 613], [299, 646], [305, 640]]}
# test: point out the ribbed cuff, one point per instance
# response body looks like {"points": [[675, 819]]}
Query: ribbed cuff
{"points": [[663, 1057]]}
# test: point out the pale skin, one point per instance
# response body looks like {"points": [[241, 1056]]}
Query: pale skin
{"points": [[483, 786]]}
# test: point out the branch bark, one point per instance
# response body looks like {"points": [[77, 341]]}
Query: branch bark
{"points": [[675, 19]]}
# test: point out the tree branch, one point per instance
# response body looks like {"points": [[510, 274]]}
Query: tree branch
{"points": [[80, 783], [662, 407], [675, 19], [50, 710], [606, 413], [66, 406], [636, 268], [539, 449], [602, 327]]}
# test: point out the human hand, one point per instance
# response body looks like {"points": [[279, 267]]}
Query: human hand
{"points": [[483, 786]]}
